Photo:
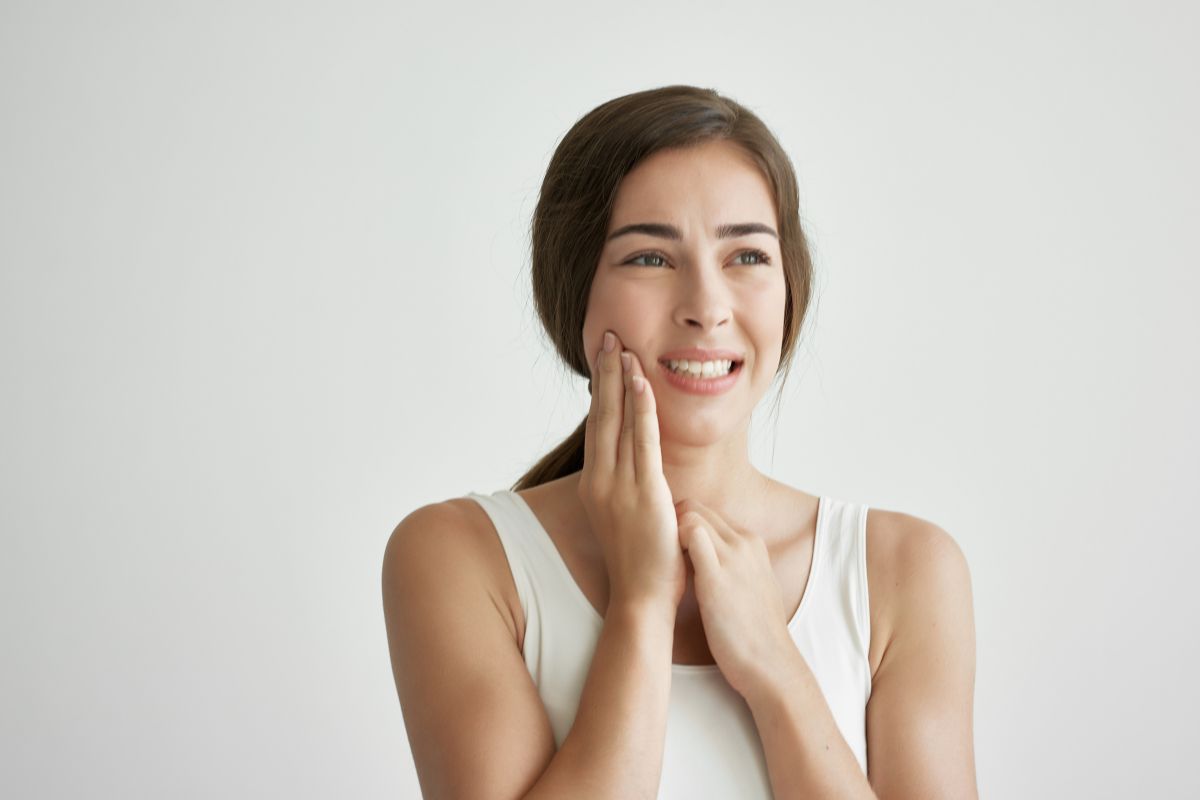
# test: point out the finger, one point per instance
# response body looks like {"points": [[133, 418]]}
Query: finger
{"points": [[695, 538], [607, 391], [722, 532], [589, 427], [625, 468], [647, 446]]}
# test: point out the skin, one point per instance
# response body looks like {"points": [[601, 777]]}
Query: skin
{"points": [[657, 295], [704, 292]]}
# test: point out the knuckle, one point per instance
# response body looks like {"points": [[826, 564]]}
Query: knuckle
{"points": [[643, 443]]}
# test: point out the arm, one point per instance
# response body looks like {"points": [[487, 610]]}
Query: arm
{"points": [[475, 723], [919, 717], [807, 756], [615, 746]]}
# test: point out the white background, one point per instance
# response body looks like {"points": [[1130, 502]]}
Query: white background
{"points": [[265, 290]]}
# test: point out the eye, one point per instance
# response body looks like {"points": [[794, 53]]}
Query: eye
{"points": [[762, 257], [646, 255]]}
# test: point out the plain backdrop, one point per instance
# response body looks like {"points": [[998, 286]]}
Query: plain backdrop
{"points": [[265, 291]]}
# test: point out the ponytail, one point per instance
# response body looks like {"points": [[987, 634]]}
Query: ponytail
{"points": [[559, 462]]}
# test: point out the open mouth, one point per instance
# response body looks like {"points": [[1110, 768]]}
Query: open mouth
{"points": [[701, 371]]}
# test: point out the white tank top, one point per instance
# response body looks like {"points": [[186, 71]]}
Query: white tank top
{"points": [[712, 745]]}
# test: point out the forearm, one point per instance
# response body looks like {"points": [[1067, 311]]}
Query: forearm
{"points": [[615, 746], [807, 756]]}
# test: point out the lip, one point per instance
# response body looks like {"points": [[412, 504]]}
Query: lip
{"points": [[701, 386]]}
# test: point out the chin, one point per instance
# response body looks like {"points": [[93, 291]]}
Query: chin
{"points": [[698, 430]]}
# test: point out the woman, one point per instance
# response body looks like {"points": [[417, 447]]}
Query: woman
{"points": [[645, 614]]}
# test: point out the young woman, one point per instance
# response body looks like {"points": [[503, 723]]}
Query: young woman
{"points": [[645, 614]]}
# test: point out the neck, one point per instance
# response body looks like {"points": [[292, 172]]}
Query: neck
{"points": [[717, 475]]}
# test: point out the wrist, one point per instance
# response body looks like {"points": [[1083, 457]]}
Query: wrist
{"points": [[775, 678], [642, 607]]}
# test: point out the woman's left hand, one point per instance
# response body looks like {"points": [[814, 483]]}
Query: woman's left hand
{"points": [[741, 604]]}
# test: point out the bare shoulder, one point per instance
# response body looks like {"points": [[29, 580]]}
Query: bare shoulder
{"points": [[920, 735], [447, 527], [454, 534], [475, 722], [911, 564]]}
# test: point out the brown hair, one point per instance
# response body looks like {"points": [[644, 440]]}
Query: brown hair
{"points": [[575, 205]]}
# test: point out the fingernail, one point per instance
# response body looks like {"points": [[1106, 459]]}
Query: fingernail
{"points": [[639, 384], [610, 342], [626, 362]]}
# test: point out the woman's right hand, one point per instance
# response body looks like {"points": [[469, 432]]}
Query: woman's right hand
{"points": [[623, 488]]}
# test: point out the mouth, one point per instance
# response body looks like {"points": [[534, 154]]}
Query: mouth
{"points": [[709, 378]]}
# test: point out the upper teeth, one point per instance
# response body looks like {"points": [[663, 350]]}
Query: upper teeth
{"points": [[701, 368]]}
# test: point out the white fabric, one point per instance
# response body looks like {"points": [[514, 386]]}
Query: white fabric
{"points": [[712, 746]]}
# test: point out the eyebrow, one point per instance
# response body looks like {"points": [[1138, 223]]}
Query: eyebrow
{"points": [[665, 231]]}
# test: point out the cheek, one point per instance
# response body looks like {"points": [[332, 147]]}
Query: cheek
{"points": [[619, 307], [766, 317]]}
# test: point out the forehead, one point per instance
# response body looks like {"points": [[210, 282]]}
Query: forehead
{"points": [[713, 183]]}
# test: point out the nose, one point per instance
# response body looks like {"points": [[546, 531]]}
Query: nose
{"points": [[703, 300]]}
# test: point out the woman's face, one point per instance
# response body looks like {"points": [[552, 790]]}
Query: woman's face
{"points": [[704, 289]]}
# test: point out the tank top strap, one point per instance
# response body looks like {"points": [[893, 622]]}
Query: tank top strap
{"points": [[845, 564], [537, 567], [513, 532]]}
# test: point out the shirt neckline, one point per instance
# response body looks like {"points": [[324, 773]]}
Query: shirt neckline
{"points": [[561, 566]]}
